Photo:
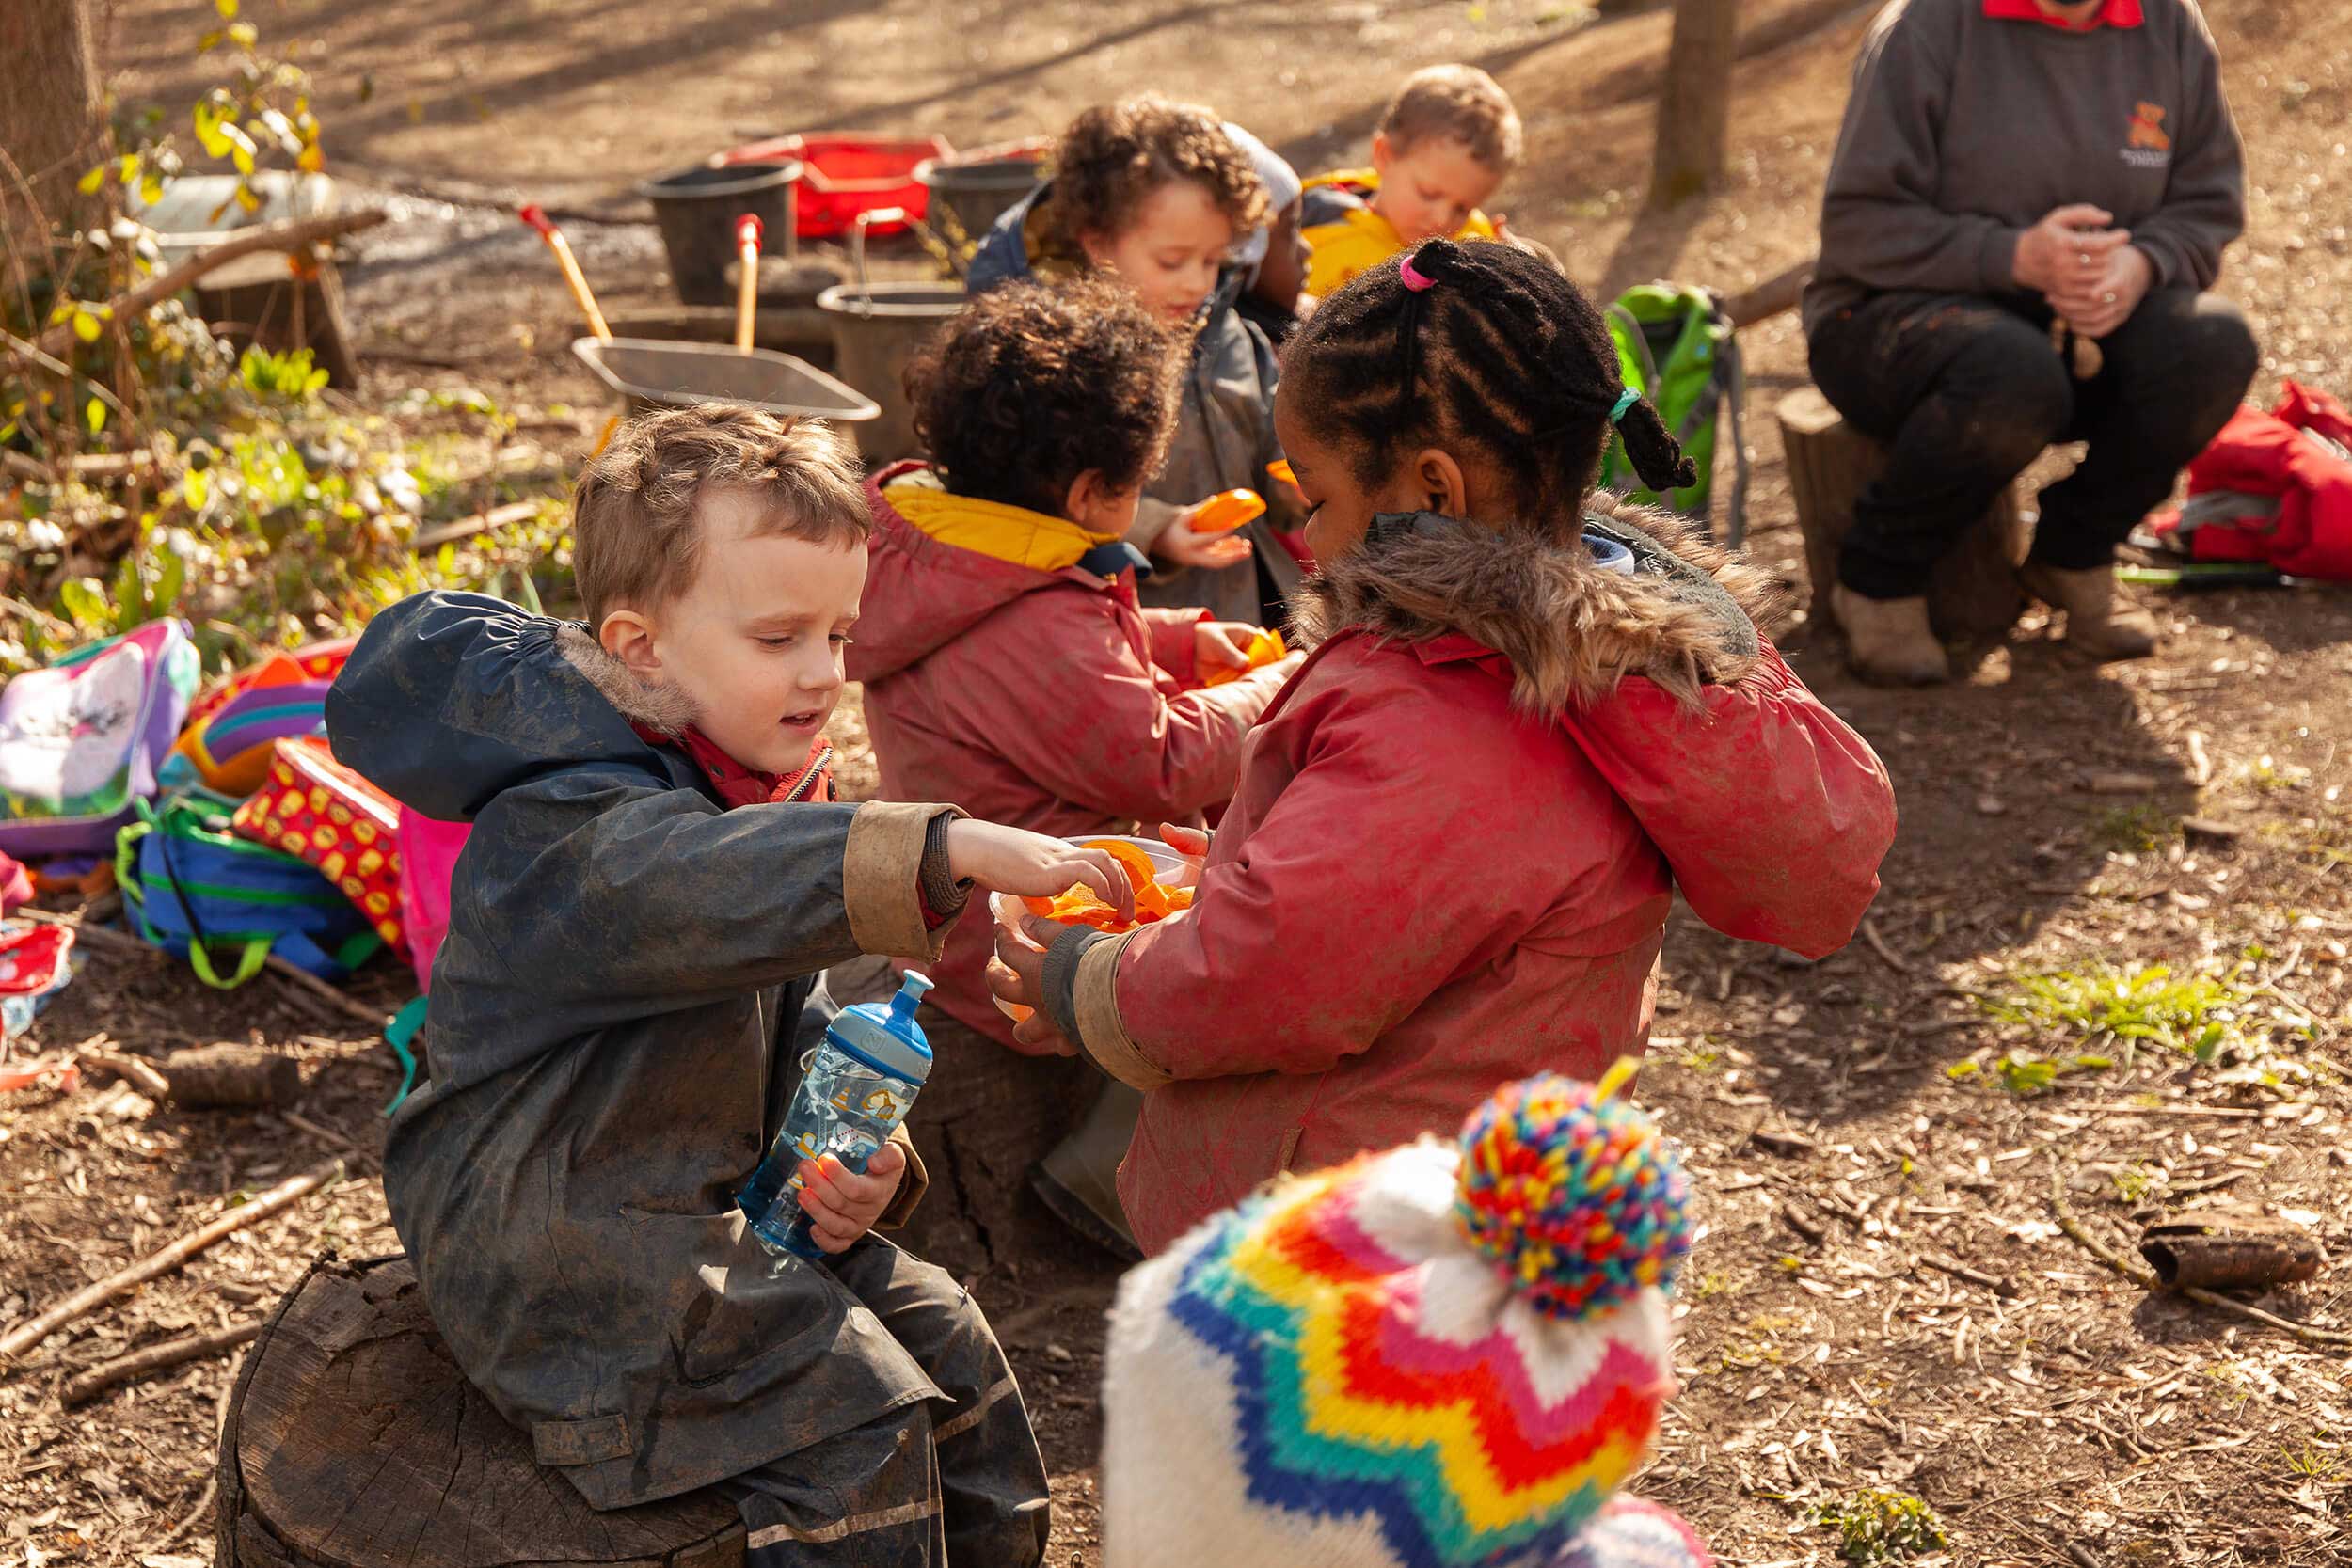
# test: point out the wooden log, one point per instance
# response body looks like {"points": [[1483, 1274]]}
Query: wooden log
{"points": [[2187, 1256], [86, 1386], [353, 1438], [1975, 593], [33, 1330], [232, 1075]]}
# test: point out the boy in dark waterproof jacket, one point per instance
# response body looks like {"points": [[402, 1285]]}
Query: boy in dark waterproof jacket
{"points": [[658, 873]]}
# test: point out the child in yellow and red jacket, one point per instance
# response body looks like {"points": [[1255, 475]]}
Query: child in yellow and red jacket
{"points": [[1447, 141], [1007, 663]]}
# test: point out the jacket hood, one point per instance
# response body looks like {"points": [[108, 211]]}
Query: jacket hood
{"points": [[450, 699], [1014, 251], [1571, 628], [922, 593]]}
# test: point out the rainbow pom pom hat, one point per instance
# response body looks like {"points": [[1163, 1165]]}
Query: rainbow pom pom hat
{"points": [[1443, 1355]]}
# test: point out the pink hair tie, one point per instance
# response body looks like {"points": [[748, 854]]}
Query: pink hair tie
{"points": [[1415, 279]]}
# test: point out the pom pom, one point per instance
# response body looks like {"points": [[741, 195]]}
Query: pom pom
{"points": [[1573, 1196]]}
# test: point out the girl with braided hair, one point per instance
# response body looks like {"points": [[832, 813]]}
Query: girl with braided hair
{"points": [[1533, 713]]}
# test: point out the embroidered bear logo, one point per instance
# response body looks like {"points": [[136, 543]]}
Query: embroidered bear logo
{"points": [[2147, 132]]}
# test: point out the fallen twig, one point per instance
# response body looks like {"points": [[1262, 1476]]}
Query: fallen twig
{"points": [[1878, 944], [1999, 1286], [113, 940], [358, 1011], [82, 1388], [33, 1330], [298, 235], [2146, 1280], [466, 527], [133, 1071]]}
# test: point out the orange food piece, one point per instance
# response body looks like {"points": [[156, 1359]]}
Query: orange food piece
{"points": [[1228, 510], [1264, 649], [1282, 469], [1078, 905]]}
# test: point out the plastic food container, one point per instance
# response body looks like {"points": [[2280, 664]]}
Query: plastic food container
{"points": [[1174, 871], [844, 175]]}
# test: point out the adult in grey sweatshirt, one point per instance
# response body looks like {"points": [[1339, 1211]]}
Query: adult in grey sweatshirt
{"points": [[2003, 163]]}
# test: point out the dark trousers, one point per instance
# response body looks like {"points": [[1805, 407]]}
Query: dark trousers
{"points": [[924, 1485], [1967, 391]]}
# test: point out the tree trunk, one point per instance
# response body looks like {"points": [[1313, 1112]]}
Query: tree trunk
{"points": [[1694, 100], [1975, 593], [49, 121]]}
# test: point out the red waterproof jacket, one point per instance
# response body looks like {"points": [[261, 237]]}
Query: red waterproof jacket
{"points": [[1450, 856], [1035, 695]]}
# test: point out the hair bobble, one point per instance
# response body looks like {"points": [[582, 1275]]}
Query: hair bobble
{"points": [[1625, 400], [1414, 279]]}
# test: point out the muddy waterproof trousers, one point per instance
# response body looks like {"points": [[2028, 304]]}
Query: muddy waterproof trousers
{"points": [[1967, 391], [931, 1483]]}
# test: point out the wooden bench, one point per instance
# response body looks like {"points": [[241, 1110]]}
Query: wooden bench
{"points": [[353, 1439], [1975, 594]]}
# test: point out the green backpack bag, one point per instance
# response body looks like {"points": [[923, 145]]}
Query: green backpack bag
{"points": [[1675, 347]]}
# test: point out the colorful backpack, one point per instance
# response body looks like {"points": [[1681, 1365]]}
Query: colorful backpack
{"points": [[195, 888], [232, 730], [1676, 348], [81, 741], [330, 819]]}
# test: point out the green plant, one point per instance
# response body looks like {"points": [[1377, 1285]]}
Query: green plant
{"points": [[1882, 1526], [2135, 830], [2201, 1015], [2138, 1181]]}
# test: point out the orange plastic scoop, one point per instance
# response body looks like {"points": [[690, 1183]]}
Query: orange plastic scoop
{"points": [[1228, 510], [1264, 649], [1282, 469]]}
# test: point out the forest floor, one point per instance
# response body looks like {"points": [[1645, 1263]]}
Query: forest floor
{"points": [[1899, 1151]]}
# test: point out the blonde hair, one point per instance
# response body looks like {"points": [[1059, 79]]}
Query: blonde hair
{"points": [[636, 530], [1457, 101]]}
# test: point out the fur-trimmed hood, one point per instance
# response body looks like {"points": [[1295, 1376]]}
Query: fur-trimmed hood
{"points": [[1571, 628], [451, 698]]}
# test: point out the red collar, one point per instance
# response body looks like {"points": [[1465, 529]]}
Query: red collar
{"points": [[738, 785], [2115, 13]]}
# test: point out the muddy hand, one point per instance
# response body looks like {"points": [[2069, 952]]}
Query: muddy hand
{"points": [[1017, 976], [843, 1205]]}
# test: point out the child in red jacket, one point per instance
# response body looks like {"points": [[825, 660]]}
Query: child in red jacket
{"points": [[1007, 665], [1534, 713]]}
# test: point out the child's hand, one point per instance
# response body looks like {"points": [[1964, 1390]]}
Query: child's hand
{"points": [[1181, 546], [1017, 975], [840, 1204], [1191, 842], [1022, 864], [1222, 646]]}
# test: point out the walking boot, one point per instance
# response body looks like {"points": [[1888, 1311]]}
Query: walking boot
{"points": [[1888, 642], [2094, 622], [1079, 1180]]}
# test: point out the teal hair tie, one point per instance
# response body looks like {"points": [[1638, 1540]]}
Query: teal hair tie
{"points": [[1625, 400]]}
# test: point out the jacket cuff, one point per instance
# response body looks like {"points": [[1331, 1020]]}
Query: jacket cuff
{"points": [[944, 897], [1996, 259], [882, 881], [912, 1184], [1175, 641], [2164, 267], [1081, 996]]}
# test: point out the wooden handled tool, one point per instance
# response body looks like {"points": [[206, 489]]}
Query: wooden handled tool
{"points": [[747, 231], [532, 214]]}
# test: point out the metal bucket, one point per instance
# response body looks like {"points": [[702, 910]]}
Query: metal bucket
{"points": [[876, 329], [972, 196], [696, 209], [650, 374]]}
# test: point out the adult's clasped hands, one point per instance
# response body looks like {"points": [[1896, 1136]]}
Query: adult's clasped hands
{"points": [[2090, 271]]}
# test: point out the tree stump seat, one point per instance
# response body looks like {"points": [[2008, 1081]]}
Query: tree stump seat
{"points": [[354, 1441], [1975, 593]]}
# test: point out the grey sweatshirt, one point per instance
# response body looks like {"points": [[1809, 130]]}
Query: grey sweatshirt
{"points": [[1964, 130]]}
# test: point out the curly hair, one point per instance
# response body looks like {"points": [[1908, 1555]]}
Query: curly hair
{"points": [[1496, 350], [1115, 155], [636, 511], [1032, 385], [1461, 102]]}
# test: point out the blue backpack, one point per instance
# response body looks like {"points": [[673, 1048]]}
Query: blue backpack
{"points": [[196, 890]]}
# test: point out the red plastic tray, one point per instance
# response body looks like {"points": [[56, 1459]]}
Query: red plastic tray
{"points": [[846, 175]]}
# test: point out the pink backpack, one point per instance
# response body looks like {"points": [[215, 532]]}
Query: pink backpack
{"points": [[428, 858]]}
